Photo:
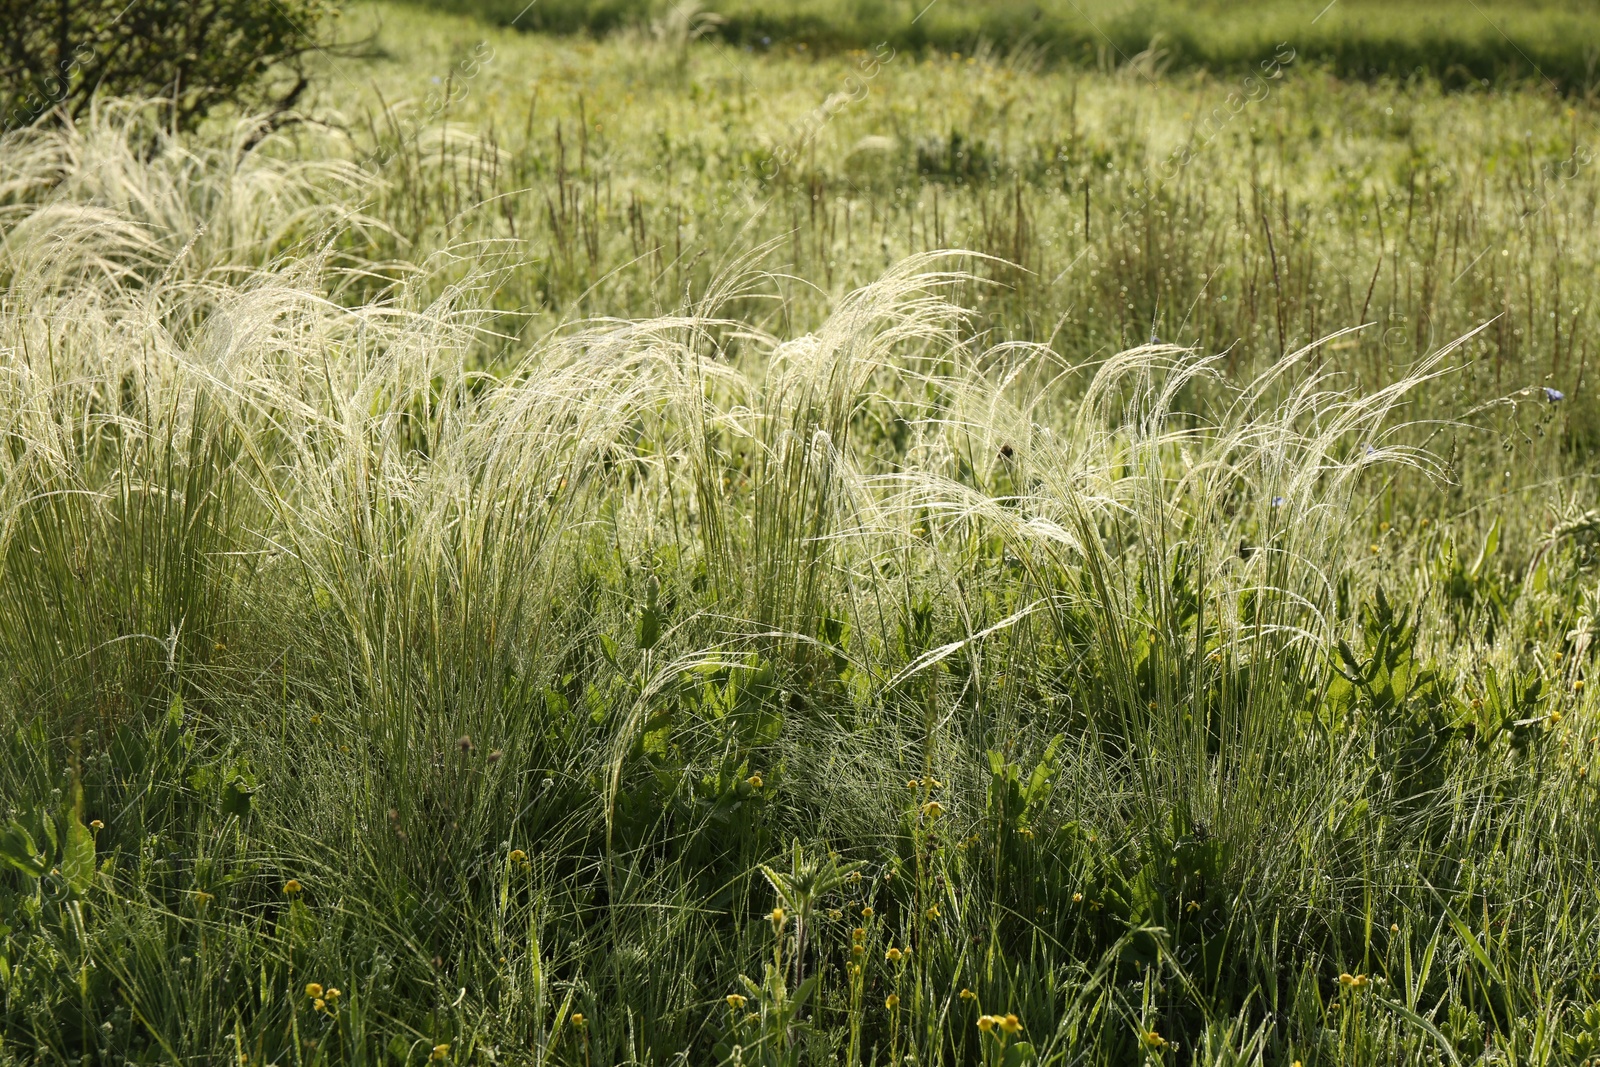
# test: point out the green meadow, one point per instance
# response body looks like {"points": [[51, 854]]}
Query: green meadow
{"points": [[1057, 534]]}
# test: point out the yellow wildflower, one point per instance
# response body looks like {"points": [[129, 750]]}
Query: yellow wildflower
{"points": [[440, 1052], [518, 856], [986, 1023], [1010, 1024], [933, 809], [967, 994], [933, 912], [578, 1020], [892, 1001], [893, 955], [313, 989], [292, 886], [755, 780], [735, 1001], [866, 912]]}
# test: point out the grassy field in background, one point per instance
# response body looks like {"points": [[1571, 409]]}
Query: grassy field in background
{"points": [[1458, 42], [662, 548]]}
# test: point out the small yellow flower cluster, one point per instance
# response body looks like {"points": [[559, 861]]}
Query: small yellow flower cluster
{"points": [[932, 912], [320, 998], [292, 886], [1007, 1023], [440, 1053], [967, 994], [1353, 981], [778, 918], [1153, 1039], [518, 857], [866, 912], [857, 937], [892, 1001], [755, 781], [736, 1002], [933, 809], [894, 955]]}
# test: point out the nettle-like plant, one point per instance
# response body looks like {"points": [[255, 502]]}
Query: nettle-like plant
{"points": [[56, 55]]}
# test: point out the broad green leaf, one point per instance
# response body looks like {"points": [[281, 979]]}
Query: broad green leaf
{"points": [[17, 848], [77, 855], [1018, 1054]]}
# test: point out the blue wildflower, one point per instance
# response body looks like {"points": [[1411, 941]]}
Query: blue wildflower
{"points": [[1278, 501], [1553, 395]]}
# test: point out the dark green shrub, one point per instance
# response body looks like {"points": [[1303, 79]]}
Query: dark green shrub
{"points": [[56, 54]]}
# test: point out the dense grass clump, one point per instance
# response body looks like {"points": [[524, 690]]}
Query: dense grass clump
{"points": [[448, 619]]}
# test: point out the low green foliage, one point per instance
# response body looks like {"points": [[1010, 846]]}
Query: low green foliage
{"points": [[1459, 42]]}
